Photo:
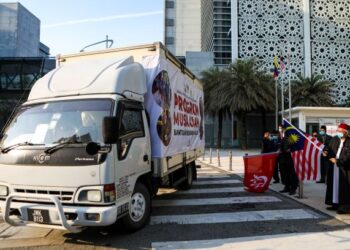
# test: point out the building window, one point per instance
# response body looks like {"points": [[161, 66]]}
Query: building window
{"points": [[169, 22], [169, 4], [169, 40]]}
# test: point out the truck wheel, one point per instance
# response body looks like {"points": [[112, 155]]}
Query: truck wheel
{"points": [[139, 209], [187, 184]]}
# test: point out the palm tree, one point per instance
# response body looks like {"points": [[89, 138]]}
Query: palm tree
{"points": [[312, 91], [347, 104], [250, 88], [212, 79]]}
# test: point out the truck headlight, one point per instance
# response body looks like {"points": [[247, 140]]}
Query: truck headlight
{"points": [[4, 191], [94, 195]]}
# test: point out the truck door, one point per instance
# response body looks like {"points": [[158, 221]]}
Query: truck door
{"points": [[132, 150]]}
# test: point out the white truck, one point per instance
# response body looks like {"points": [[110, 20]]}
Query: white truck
{"points": [[96, 138]]}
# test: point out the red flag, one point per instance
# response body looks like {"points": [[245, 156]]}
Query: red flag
{"points": [[258, 171]]}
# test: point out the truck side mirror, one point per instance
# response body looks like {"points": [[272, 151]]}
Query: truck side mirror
{"points": [[110, 129]]}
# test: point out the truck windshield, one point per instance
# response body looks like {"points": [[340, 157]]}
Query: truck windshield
{"points": [[53, 122]]}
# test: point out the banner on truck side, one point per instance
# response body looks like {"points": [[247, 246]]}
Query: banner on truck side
{"points": [[175, 107]]}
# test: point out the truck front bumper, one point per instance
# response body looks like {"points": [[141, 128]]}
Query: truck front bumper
{"points": [[57, 216]]}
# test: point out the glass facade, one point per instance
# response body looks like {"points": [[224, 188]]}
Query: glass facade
{"points": [[17, 76]]}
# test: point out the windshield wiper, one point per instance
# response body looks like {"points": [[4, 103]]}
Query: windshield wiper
{"points": [[62, 143], [9, 148]]}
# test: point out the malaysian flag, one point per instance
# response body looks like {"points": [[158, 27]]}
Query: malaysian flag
{"points": [[306, 152]]}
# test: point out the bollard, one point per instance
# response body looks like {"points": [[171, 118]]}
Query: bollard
{"points": [[230, 166], [218, 155], [301, 190], [204, 155], [210, 155]]}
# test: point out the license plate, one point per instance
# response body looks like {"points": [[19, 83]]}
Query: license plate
{"points": [[39, 216]]}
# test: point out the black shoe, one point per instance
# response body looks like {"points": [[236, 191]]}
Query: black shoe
{"points": [[332, 208], [320, 181], [342, 212], [293, 192], [284, 191], [276, 182]]}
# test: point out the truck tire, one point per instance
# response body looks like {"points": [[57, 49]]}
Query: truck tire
{"points": [[139, 209], [187, 184]]}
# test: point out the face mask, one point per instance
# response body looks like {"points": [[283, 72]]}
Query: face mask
{"points": [[340, 135], [280, 130], [322, 133]]}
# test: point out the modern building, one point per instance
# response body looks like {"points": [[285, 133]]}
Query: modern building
{"points": [[222, 32], [20, 32], [23, 58], [199, 25], [183, 26], [315, 33]]}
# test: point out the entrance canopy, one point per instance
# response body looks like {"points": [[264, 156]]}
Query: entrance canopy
{"points": [[309, 119]]}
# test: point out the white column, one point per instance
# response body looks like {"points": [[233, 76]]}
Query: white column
{"points": [[302, 121], [307, 37], [234, 29]]}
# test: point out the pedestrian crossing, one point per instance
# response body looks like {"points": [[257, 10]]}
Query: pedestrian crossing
{"points": [[217, 199], [214, 201], [267, 215], [216, 181]]}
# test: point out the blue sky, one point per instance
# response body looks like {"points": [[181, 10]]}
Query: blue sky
{"points": [[69, 25]]}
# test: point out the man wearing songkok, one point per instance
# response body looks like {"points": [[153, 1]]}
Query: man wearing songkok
{"points": [[338, 179]]}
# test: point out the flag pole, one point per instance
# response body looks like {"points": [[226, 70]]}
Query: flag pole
{"points": [[282, 100], [289, 84], [276, 109]]}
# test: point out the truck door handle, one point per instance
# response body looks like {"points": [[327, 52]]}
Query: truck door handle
{"points": [[145, 158]]}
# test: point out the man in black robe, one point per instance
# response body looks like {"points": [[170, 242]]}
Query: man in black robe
{"points": [[338, 179], [287, 168]]}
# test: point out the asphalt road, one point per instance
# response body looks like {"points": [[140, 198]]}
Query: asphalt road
{"points": [[217, 207]]}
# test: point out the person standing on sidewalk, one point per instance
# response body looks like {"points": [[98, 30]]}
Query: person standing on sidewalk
{"points": [[287, 168], [324, 138], [266, 143], [274, 147], [338, 180]]}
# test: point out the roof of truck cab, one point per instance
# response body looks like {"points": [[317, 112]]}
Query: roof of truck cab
{"points": [[91, 76]]}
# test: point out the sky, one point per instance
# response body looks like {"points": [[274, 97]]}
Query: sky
{"points": [[69, 25]]}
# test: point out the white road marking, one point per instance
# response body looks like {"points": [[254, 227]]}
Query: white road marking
{"points": [[264, 215], [215, 201], [320, 241], [208, 172], [206, 169], [211, 190], [213, 176], [232, 181]]}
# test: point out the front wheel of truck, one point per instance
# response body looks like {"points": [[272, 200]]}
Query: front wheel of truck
{"points": [[139, 209]]}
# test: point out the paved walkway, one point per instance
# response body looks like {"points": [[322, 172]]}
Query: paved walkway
{"points": [[314, 193]]}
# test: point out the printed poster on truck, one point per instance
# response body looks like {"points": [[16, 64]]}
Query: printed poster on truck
{"points": [[175, 107]]}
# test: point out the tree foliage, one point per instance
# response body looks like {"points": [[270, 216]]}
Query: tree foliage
{"points": [[240, 89], [312, 91]]}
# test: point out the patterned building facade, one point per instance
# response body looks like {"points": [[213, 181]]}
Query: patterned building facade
{"points": [[315, 33]]}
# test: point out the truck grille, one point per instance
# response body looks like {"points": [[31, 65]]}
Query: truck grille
{"points": [[64, 196]]}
